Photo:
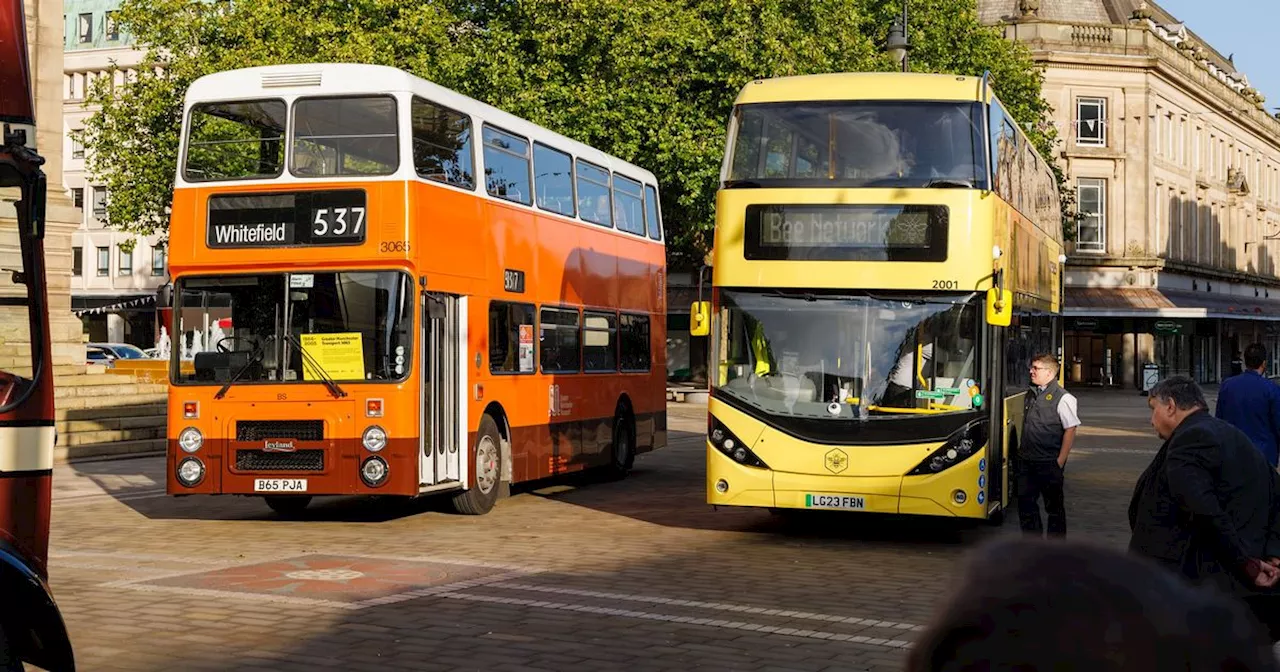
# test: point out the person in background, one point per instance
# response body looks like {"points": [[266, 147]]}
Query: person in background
{"points": [[1206, 506], [1251, 403], [1031, 604], [1049, 424]]}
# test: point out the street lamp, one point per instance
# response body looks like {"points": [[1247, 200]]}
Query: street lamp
{"points": [[898, 44]]}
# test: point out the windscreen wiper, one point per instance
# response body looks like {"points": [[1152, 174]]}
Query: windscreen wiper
{"points": [[255, 357], [308, 360], [953, 184]]}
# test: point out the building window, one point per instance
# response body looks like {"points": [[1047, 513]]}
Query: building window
{"points": [[113, 26], [1092, 198], [126, 262], [77, 197], [85, 28], [77, 261], [77, 147], [104, 261], [1091, 122], [100, 201], [157, 261]]}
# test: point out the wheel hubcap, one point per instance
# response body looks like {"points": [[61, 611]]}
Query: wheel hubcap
{"points": [[486, 464]]}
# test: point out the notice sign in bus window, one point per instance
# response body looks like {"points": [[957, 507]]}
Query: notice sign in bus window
{"points": [[846, 232], [340, 355], [287, 219]]}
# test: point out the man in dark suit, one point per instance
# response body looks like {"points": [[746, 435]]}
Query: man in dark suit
{"points": [[1205, 507], [1252, 402]]}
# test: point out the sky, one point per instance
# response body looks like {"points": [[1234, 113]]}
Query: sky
{"points": [[1243, 27]]}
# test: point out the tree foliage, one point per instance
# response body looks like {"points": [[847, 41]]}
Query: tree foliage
{"points": [[651, 81]]}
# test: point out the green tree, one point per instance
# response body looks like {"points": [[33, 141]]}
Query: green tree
{"points": [[651, 81]]}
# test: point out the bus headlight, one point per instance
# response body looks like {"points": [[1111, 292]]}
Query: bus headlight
{"points": [[191, 439], [958, 447], [190, 472], [374, 439], [725, 441], [374, 471]]}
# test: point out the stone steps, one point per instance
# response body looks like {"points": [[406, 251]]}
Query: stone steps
{"points": [[62, 453], [101, 414]]}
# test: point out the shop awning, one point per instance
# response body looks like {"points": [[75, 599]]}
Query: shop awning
{"points": [[1150, 302]]}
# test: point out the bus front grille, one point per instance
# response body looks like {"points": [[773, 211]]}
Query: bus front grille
{"points": [[261, 460], [260, 430]]}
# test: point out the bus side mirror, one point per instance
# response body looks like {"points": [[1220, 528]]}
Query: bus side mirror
{"points": [[700, 319], [999, 307], [164, 295]]}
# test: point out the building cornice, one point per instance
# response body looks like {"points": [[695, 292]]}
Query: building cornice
{"points": [[1138, 47]]}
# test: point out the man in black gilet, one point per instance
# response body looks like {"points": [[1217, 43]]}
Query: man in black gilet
{"points": [[1048, 430]]}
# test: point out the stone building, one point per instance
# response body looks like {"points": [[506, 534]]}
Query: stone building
{"points": [[1176, 165], [45, 46], [112, 285]]}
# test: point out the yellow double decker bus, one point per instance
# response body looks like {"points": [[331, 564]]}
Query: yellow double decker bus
{"points": [[887, 261]]}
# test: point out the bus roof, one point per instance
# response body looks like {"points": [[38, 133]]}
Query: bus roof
{"points": [[343, 79], [862, 86]]}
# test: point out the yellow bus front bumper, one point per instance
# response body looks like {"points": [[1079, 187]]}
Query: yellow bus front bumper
{"points": [[958, 492]]}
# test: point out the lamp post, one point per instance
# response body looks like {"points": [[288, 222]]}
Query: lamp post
{"points": [[897, 45]]}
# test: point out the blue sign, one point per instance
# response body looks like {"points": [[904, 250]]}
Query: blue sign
{"points": [[982, 481], [982, 464], [982, 497]]}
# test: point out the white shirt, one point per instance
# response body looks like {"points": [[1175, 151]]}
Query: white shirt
{"points": [[1067, 410]]}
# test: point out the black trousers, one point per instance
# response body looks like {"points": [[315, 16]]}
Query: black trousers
{"points": [[1036, 480]]}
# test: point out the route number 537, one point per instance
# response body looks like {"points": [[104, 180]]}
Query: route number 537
{"points": [[337, 222]]}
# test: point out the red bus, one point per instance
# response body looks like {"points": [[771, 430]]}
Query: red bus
{"points": [[31, 626], [387, 288]]}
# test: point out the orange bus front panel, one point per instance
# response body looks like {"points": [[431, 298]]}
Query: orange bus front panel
{"points": [[252, 435]]}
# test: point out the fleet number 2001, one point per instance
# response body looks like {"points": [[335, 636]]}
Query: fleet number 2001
{"points": [[946, 284]]}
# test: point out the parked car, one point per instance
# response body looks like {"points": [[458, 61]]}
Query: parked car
{"points": [[95, 354], [121, 350]]}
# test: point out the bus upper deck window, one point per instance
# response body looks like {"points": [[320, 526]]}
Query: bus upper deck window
{"points": [[345, 136], [235, 140]]}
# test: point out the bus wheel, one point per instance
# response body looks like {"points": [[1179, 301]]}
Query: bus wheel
{"points": [[622, 455], [488, 470], [288, 505]]}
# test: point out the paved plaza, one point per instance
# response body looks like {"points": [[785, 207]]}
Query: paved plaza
{"points": [[575, 574]]}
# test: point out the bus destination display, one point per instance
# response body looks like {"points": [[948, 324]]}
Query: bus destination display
{"points": [[846, 232], [303, 218]]}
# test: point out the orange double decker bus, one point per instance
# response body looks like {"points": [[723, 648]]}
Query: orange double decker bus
{"points": [[370, 300]]}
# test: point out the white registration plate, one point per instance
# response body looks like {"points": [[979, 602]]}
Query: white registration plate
{"points": [[842, 502], [279, 485]]}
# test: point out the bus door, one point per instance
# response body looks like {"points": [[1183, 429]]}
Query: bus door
{"points": [[996, 436], [442, 419]]}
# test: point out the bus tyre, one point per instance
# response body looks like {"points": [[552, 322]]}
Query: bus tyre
{"points": [[488, 472], [288, 505], [622, 452]]}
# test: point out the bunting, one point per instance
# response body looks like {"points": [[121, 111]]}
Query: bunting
{"points": [[123, 305]]}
